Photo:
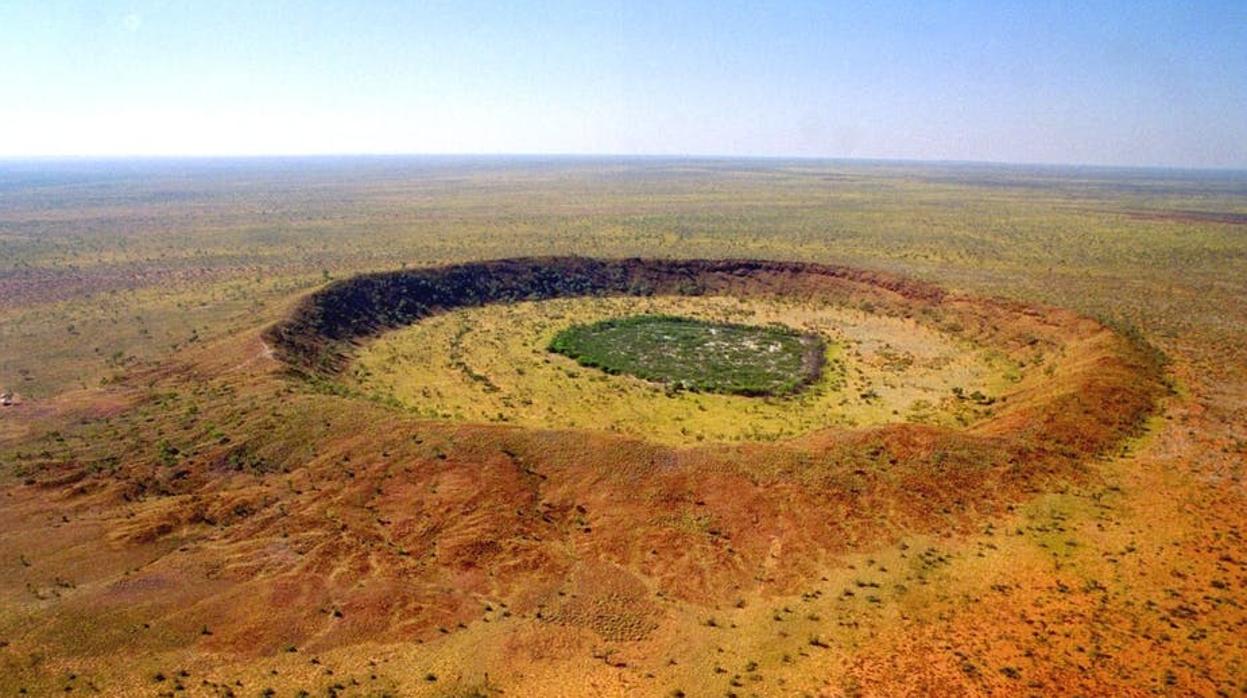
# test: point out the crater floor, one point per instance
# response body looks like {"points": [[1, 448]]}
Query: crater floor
{"points": [[491, 364]]}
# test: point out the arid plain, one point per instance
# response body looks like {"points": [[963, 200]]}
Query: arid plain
{"points": [[233, 465]]}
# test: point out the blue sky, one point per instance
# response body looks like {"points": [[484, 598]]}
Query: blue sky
{"points": [[1093, 82]]}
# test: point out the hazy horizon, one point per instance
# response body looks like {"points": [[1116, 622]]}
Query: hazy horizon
{"points": [[1154, 85], [673, 158]]}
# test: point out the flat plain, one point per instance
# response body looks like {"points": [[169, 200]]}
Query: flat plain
{"points": [[175, 498]]}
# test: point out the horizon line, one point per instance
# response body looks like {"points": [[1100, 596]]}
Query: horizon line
{"points": [[103, 157]]}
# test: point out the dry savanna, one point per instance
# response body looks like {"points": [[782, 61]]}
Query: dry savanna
{"points": [[567, 427]]}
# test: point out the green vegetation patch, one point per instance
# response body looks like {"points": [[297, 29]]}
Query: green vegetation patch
{"points": [[689, 354]]}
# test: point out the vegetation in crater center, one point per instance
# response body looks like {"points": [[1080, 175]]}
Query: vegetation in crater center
{"points": [[691, 354]]}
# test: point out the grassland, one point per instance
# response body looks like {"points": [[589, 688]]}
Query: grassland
{"points": [[175, 516], [183, 251]]}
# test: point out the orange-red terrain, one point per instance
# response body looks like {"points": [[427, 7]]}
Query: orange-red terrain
{"points": [[234, 522]]}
